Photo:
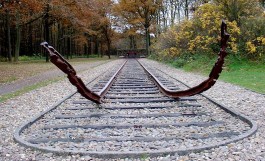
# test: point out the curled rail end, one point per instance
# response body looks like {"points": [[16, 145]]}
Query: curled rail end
{"points": [[58, 60], [224, 36], [213, 76]]}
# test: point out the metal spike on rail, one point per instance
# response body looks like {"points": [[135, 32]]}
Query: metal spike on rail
{"points": [[57, 59]]}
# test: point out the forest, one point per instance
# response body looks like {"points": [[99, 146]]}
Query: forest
{"points": [[166, 29]]}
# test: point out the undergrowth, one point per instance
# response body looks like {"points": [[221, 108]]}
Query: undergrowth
{"points": [[236, 70]]}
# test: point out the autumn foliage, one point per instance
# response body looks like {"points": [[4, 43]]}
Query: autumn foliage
{"points": [[201, 33], [73, 27], [171, 27]]}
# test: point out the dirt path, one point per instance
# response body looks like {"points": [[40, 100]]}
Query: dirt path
{"points": [[47, 75]]}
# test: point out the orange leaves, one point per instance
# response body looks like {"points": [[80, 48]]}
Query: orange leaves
{"points": [[137, 12]]}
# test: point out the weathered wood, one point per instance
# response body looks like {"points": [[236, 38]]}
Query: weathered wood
{"points": [[99, 115], [136, 126], [142, 138]]}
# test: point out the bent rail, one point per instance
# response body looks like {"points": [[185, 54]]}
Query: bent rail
{"points": [[57, 59], [213, 76], [62, 64]]}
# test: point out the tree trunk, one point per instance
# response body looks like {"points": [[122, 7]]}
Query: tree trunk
{"points": [[147, 40], [92, 45], [108, 44], [88, 46], [68, 47], [107, 35], [18, 28], [186, 9], [85, 50], [131, 41], [72, 47], [179, 12], [101, 49], [30, 41], [59, 44], [8, 35], [46, 29], [96, 47], [30, 45]]}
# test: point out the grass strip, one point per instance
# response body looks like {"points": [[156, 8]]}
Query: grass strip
{"points": [[241, 72], [45, 83], [26, 89]]}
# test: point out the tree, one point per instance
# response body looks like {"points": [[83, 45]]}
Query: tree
{"points": [[262, 2], [17, 14], [7, 7], [103, 16], [239, 10], [139, 13], [199, 35]]}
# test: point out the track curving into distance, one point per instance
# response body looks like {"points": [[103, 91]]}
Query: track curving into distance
{"points": [[135, 120]]}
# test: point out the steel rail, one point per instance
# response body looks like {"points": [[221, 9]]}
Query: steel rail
{"points": [[58, 60], [109, 153], [104, 90], [205, 85]]}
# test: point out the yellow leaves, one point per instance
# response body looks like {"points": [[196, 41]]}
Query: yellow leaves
{"points": [[256, 47], [202, 33], [173, 51], [233, 28], [233, 39], [234, 31], [186, 33], [201, 43], [250, 47], [234, 47], [207, 19], [191, 46], [261, 40]]}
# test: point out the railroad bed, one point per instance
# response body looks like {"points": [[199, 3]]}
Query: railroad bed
{"points": [[135, 120]]}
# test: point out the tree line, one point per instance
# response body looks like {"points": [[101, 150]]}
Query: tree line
{"points": [[170, 27], [199, 31], [72, 27]]}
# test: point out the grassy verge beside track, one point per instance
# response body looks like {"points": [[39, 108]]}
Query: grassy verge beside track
{"points": [[28, 88], [247, 74], [10, 72]]}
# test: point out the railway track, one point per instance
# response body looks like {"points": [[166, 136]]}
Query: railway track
{"points": [[135, 120]]}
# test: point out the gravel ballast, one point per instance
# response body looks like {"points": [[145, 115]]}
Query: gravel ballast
{"points": [[16, 111]]}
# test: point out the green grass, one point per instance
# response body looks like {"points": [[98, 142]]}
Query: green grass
{"points": [[10, 72], [10, 79], [38, 59], [14, 71], [27, 89], [247, 74]]}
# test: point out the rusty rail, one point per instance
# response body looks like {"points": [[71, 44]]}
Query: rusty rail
{"points": [[213, 76], [62, 64], [58, 60], [104, 90]]}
